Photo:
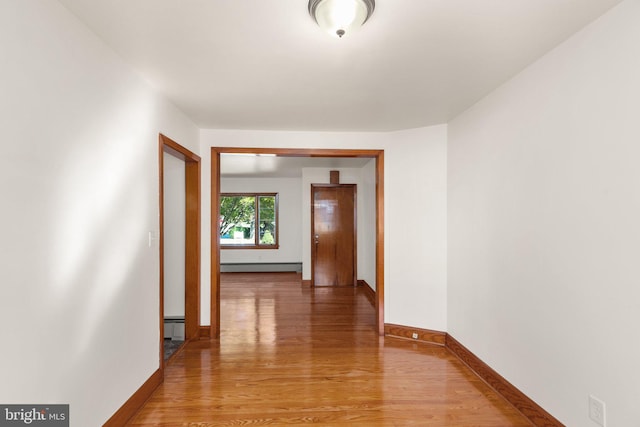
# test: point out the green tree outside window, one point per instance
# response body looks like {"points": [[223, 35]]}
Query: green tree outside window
{"points": [[240, 227]]}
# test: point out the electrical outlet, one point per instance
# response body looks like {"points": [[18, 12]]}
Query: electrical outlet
{"points": [[597, 411], [414, 335]]}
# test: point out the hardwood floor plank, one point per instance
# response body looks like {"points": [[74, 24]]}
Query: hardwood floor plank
{"points": [[292, 355]]}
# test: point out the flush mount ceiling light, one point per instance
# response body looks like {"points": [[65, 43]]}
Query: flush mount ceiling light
{"points": [[340, 17]]}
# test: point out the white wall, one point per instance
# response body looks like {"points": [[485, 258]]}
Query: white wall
{"points": [[174, 235], [367, 225], [289, 220], [415, 181], [79, 180], [544, 205]]}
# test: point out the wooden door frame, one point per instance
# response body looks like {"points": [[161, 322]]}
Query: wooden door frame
{"points": [[192, 238], [355, 229], [378, 155]]}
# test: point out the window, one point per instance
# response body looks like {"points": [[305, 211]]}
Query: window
{"points": [[249, 220]]}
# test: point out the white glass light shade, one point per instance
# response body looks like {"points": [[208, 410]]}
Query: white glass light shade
{"points": [[340, 17]]}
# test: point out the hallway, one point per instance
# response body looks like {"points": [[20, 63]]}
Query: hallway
{"points": [[290, 355]]}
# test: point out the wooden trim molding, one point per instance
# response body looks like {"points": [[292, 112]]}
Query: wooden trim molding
{"points": [[526, 406], [369, 292], [530, 409], [378, 155], [380, 242], [215, 244], [192, 248], [306, 283], [302, 152], [423, 335], [135, 402], [192, 210], [204, 332]]}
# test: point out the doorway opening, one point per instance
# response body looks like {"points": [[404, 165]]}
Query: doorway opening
{"points": [[185, 325], [216, 152]]}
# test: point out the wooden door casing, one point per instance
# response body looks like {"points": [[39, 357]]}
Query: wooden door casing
{"points": [[192, 237], [213, 329], [333, 240]]}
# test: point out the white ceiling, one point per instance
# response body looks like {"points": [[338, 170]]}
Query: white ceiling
{"points": [[264, 64]]}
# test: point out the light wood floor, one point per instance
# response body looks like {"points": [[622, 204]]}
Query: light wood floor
{"points": [[290, 355]]}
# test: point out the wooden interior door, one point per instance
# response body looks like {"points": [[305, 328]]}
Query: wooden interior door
{"points": [[333, 239]]}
